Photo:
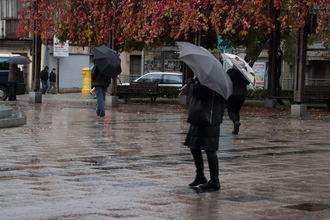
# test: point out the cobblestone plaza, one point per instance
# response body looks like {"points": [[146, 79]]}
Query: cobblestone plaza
{"points": [[67, 164]]}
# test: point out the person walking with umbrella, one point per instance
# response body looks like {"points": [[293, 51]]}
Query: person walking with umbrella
{"points": [[13, 75], [208, 92], [241, 75], [101, 83], [237, 98], [107, 64]]}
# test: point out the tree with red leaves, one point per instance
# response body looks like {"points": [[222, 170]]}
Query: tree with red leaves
{"points": [[152, 22], [39, 17]]}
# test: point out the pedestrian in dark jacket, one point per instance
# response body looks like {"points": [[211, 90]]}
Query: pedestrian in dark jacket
{"points": [[101, 83], [237, 98], [206, 110], [44, 79], [13, 75], [52, 81]]}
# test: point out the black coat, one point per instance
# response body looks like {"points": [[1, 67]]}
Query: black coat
{"points": [[98, 79], [44, 74], [52, 77], [204, 128], [239, 82]]}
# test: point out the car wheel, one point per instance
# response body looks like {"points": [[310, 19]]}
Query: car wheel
{"points": [[3, 92]]}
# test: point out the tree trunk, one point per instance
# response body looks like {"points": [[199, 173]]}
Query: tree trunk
{"points": [[299, 80], [274, 67]]}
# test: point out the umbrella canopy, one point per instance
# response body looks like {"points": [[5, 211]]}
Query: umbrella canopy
{"points": [[107, 61], [206, 67], [18, 60], [234, 61]]}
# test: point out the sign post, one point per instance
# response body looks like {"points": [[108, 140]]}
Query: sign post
{"points": [[260, 73], [61, 49]]}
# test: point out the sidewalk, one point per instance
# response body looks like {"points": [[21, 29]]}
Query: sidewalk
{"points": [[77, 99], [62, 98], [65, 163]]}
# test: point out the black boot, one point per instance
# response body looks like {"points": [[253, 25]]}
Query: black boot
{"points": [[199, 164], [199, 179], [214, 183], [236, 127]]}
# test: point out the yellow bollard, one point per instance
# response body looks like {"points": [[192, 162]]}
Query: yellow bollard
{"points": [[86, 81]]}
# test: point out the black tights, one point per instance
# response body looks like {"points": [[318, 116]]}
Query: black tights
{"points": [[212, 159]]}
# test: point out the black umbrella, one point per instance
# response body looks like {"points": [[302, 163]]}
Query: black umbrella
{"points": [[107, 61], [19, 60]]}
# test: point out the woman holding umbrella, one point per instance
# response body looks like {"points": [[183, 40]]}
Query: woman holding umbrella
{"points": [[208, 92], [237, 98], [14, 73], [206, 110]]}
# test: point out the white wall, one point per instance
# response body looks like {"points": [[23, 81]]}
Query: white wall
{"points": [[69, 69]]}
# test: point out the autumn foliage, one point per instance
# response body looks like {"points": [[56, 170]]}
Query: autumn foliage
{"points": [[150, 22]]}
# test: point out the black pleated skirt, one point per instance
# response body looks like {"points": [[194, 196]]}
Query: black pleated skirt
{"points": [[203, 137]]}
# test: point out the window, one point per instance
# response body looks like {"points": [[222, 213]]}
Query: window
{"points": [[172, 79], [4, 66], [11, 26], [151, 78], [146, 78]]}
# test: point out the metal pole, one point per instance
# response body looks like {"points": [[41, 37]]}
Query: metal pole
{"points": [[58, 75], [142, 62]]}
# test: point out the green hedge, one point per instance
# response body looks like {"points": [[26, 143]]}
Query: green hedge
{"points": [[261, 94], [172, 92], [168, 91]]}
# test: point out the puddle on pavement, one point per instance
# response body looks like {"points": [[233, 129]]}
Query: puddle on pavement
{"points": [[3, 169], [319, 144], [311, 207], [143, 165], [256, 148], [280, 141], [87, 179], [183, 191], [246, 198], [136, 184], [159, 203]]}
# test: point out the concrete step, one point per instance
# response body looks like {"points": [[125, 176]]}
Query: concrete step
{"points": [[5, 111], [8, 118]]}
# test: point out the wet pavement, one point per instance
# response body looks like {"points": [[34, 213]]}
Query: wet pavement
{"points": [[65, 163]]}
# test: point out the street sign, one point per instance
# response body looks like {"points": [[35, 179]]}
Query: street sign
{"points": [[61, 49]]}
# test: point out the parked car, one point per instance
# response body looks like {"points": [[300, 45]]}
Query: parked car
{"points": [[4, 70], [169, 83]]}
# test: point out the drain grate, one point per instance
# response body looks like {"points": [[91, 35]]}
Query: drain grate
{"points": [[311, 207]]}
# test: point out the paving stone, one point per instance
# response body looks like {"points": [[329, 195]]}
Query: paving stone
{"points": [[65, 163]]}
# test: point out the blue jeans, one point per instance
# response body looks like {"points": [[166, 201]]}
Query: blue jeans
{"points": [[100, 97], [44, 86]]}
